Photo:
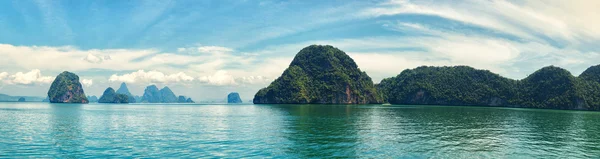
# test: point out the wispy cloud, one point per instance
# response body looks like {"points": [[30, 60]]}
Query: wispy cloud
{"points": [[568, 21], [55, 21]]}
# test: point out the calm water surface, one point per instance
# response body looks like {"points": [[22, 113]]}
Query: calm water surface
{"points": [[41, 130]]}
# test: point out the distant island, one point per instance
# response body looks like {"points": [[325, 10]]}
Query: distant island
{"points": [[153, 95], [183, 99], [320, 75], [66, 89], [8, 98], [124, 90], [110, 96], [234, 97]]}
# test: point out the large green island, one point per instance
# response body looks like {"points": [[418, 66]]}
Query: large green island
{"points": [[320, 75], [326, 75]]}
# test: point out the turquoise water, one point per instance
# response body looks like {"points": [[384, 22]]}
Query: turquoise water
{"points": [[41, 130]]}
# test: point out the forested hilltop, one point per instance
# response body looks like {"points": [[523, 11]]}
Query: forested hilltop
{"points": [[320, 74], [550, 87]]}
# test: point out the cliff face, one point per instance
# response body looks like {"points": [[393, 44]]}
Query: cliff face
{"points": [[320, 75], [110, 96], [234, 97], [66, 89]]}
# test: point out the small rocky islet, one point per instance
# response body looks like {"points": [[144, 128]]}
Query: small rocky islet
{"points": [[234, 97]]}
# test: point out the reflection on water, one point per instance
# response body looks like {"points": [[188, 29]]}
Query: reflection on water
{"points": [[66, 133], [41, 130]]}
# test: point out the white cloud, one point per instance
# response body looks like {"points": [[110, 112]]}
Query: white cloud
{"points": [[73, 59], [219, 78], [254, 80], [87, 82], [142, 76], [93, 58], [3, 75], [214, 49], [32, 77]]}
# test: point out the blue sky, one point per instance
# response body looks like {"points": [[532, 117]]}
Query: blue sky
{"points": [[205, 49]]}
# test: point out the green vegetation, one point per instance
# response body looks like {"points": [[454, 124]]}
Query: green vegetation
{"points": [[460, 85], [234, 97], [320, 75], [110, 96], [66, 89], [550, 87]]}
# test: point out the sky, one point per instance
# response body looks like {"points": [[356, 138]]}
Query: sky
{"points": [[206, 49]]}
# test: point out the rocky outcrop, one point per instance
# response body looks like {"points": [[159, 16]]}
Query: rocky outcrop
{"points": [[124, 90], [234, 97], [66, 88], [110, 96]]}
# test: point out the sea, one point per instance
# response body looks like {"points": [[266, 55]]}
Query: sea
{"points": [[44, 130]]}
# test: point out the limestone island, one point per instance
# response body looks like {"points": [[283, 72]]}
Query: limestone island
{"points": [[110, 96], [234, 97], [320, 74], [66, 89]]}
